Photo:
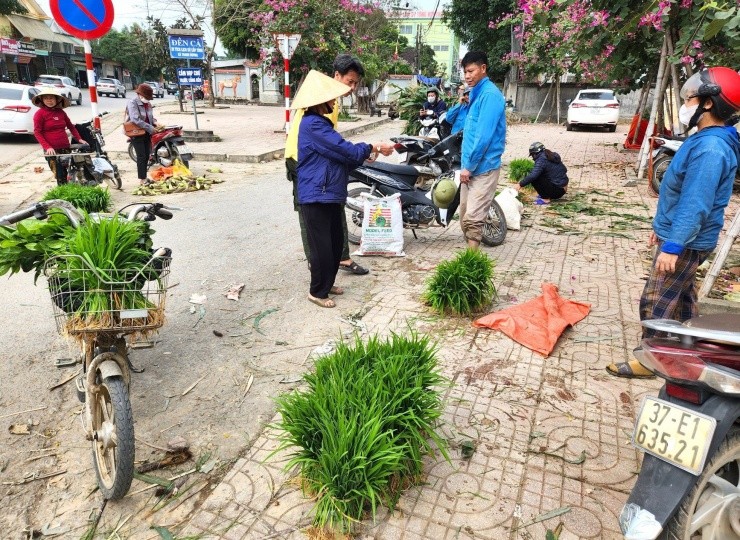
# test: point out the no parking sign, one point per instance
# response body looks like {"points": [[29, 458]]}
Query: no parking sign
{"points": [[84, 19]]}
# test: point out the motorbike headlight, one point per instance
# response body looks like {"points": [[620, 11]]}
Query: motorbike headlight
{"points": [[163, 152]]}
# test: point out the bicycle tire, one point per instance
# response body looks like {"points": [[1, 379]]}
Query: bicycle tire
{"points": [[494, 229]]}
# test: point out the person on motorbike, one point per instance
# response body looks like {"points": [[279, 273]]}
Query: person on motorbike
{"points": [[434, 106], [347, 70], [694, 192], [50, 125], [324, 162], [548, 177], [140, 112]]}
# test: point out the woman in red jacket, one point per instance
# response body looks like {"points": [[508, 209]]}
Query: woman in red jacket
{"points": [[49, 126]]}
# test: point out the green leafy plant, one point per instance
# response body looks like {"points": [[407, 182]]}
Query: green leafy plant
{"points": [[360, 430], [462, 285], [87, 198], [519, 168], [410, 101], [28, 244]]}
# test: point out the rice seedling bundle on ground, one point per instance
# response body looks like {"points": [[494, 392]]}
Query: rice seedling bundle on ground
{"points": [[88, 198], [519, 168], [360, 430], [463, 285]]}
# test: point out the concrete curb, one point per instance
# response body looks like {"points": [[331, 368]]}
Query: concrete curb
{"points": [[263, 157]]}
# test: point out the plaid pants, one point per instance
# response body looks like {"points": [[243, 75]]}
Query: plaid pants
{"points": [[672, 296]]}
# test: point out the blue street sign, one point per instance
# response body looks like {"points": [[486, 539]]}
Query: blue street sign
{"points": [[187, 47], [189, 76]]}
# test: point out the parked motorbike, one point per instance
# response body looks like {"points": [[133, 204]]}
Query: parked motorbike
{"points": [[434, 127], [106, 368], [167, 146], [662, 157], [689, 482], [102, 167], [414, 151], [418, 204]]}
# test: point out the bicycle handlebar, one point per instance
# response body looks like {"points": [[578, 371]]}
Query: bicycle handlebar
{"points": [[40, 210]]}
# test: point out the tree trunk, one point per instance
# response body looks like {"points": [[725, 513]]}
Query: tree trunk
{"points": [[543, 104], [640, 106], [645, 148]]}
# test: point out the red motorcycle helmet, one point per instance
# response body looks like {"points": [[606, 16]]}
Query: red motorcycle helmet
{"points": [[720, 84]]}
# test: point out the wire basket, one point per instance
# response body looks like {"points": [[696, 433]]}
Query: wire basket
{"points": [[92, 300]]}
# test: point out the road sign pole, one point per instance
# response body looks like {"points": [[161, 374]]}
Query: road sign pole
{"points": [[91, 83], [286, 65], [192, 95]]}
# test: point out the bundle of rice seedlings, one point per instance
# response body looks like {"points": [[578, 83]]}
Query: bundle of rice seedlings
{"points": [[360, 430], [519, 168], [463, 285], [91, 199]]}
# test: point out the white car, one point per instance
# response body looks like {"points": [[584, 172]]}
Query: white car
{"points": [[110, 87], [16, 109], [156, 89], [65, 85], [594, 107]]}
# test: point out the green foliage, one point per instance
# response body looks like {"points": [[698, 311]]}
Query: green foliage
{"points": [[409, 103], [31, 242], [360, 430], [462, 285], [8, 7], [519, 168], [87, 198]]}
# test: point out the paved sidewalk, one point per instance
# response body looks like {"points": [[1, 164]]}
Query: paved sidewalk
{"points": [[249, 133], [551, 434]]}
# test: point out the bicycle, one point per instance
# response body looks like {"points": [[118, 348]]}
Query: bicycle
{"points": [[103, 385]]}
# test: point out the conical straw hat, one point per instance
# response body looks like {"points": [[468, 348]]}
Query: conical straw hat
{"points": [[318, 88], [62, 101]]}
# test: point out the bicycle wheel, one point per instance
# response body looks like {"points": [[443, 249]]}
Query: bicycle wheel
{"points": [[494, 229], [113, 438]]}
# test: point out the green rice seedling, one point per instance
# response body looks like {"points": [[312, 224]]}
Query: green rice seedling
{"points": [[519, 168], [463, 285], [88, 198], [359, 432]]}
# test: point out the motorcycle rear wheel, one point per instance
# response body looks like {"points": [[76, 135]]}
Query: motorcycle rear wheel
{"points": [[494, 229], [354, 215], [113, 443], [702, 514], [132, 152], [660, 166]]}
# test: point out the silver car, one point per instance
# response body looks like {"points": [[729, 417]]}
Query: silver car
{"points": [[156, 88], [111, 87], [65, 85]]}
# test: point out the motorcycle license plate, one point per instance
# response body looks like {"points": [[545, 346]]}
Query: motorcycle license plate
{"points": [[183, 149], [674, 434]]}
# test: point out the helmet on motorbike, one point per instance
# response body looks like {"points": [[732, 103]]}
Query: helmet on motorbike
{"points": [[535, 148], [443, 192], [721, 85]]}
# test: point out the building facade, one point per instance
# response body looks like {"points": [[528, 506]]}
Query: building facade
{"points": [[427, 28]]}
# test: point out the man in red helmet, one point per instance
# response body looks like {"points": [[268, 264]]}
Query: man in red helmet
{"points": [[693, 195]]}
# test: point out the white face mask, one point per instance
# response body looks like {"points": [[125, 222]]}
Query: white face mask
{"points": [[143, 100], [686, 113], [432, 99]]}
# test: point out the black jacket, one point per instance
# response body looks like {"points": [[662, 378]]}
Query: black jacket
{"points": [[553, 171]]}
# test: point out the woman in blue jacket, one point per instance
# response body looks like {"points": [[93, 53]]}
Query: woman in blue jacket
{"points": [[324, 162], [549, 175]]}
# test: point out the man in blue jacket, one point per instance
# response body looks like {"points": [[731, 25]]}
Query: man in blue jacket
{"points": [[693, 195], [483, 144]]}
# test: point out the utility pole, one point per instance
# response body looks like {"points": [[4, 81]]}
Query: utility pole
{"points": [[418, 49]]}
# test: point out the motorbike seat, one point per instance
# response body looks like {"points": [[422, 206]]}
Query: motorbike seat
{"points": [[405, 173], [720, 328]]}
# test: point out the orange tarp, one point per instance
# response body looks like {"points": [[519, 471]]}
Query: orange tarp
{"points": [[537, 324]]}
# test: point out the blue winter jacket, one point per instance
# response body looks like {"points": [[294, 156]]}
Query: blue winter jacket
{"points": [[456, 116], [485, 129], [554, 171], [324, 161], [695, 190]]}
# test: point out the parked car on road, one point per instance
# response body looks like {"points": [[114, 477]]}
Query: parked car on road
{"points": [[16, 109], [594, 107], [171, 88], [64, 84], [111, 87], [158, 90]]}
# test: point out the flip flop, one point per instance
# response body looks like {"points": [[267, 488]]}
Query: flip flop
{"points": [[322, 302], [336, 290], [629, 370], [354, 268], [539, 202]]}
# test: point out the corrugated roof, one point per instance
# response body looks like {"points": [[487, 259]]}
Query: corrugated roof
{"points": [[31, 28], [62, 38]]}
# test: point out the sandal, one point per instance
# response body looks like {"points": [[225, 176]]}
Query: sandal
{"points": [[354, 268], [336, 290], [322, 302], [630, 370], [539, 201]]}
